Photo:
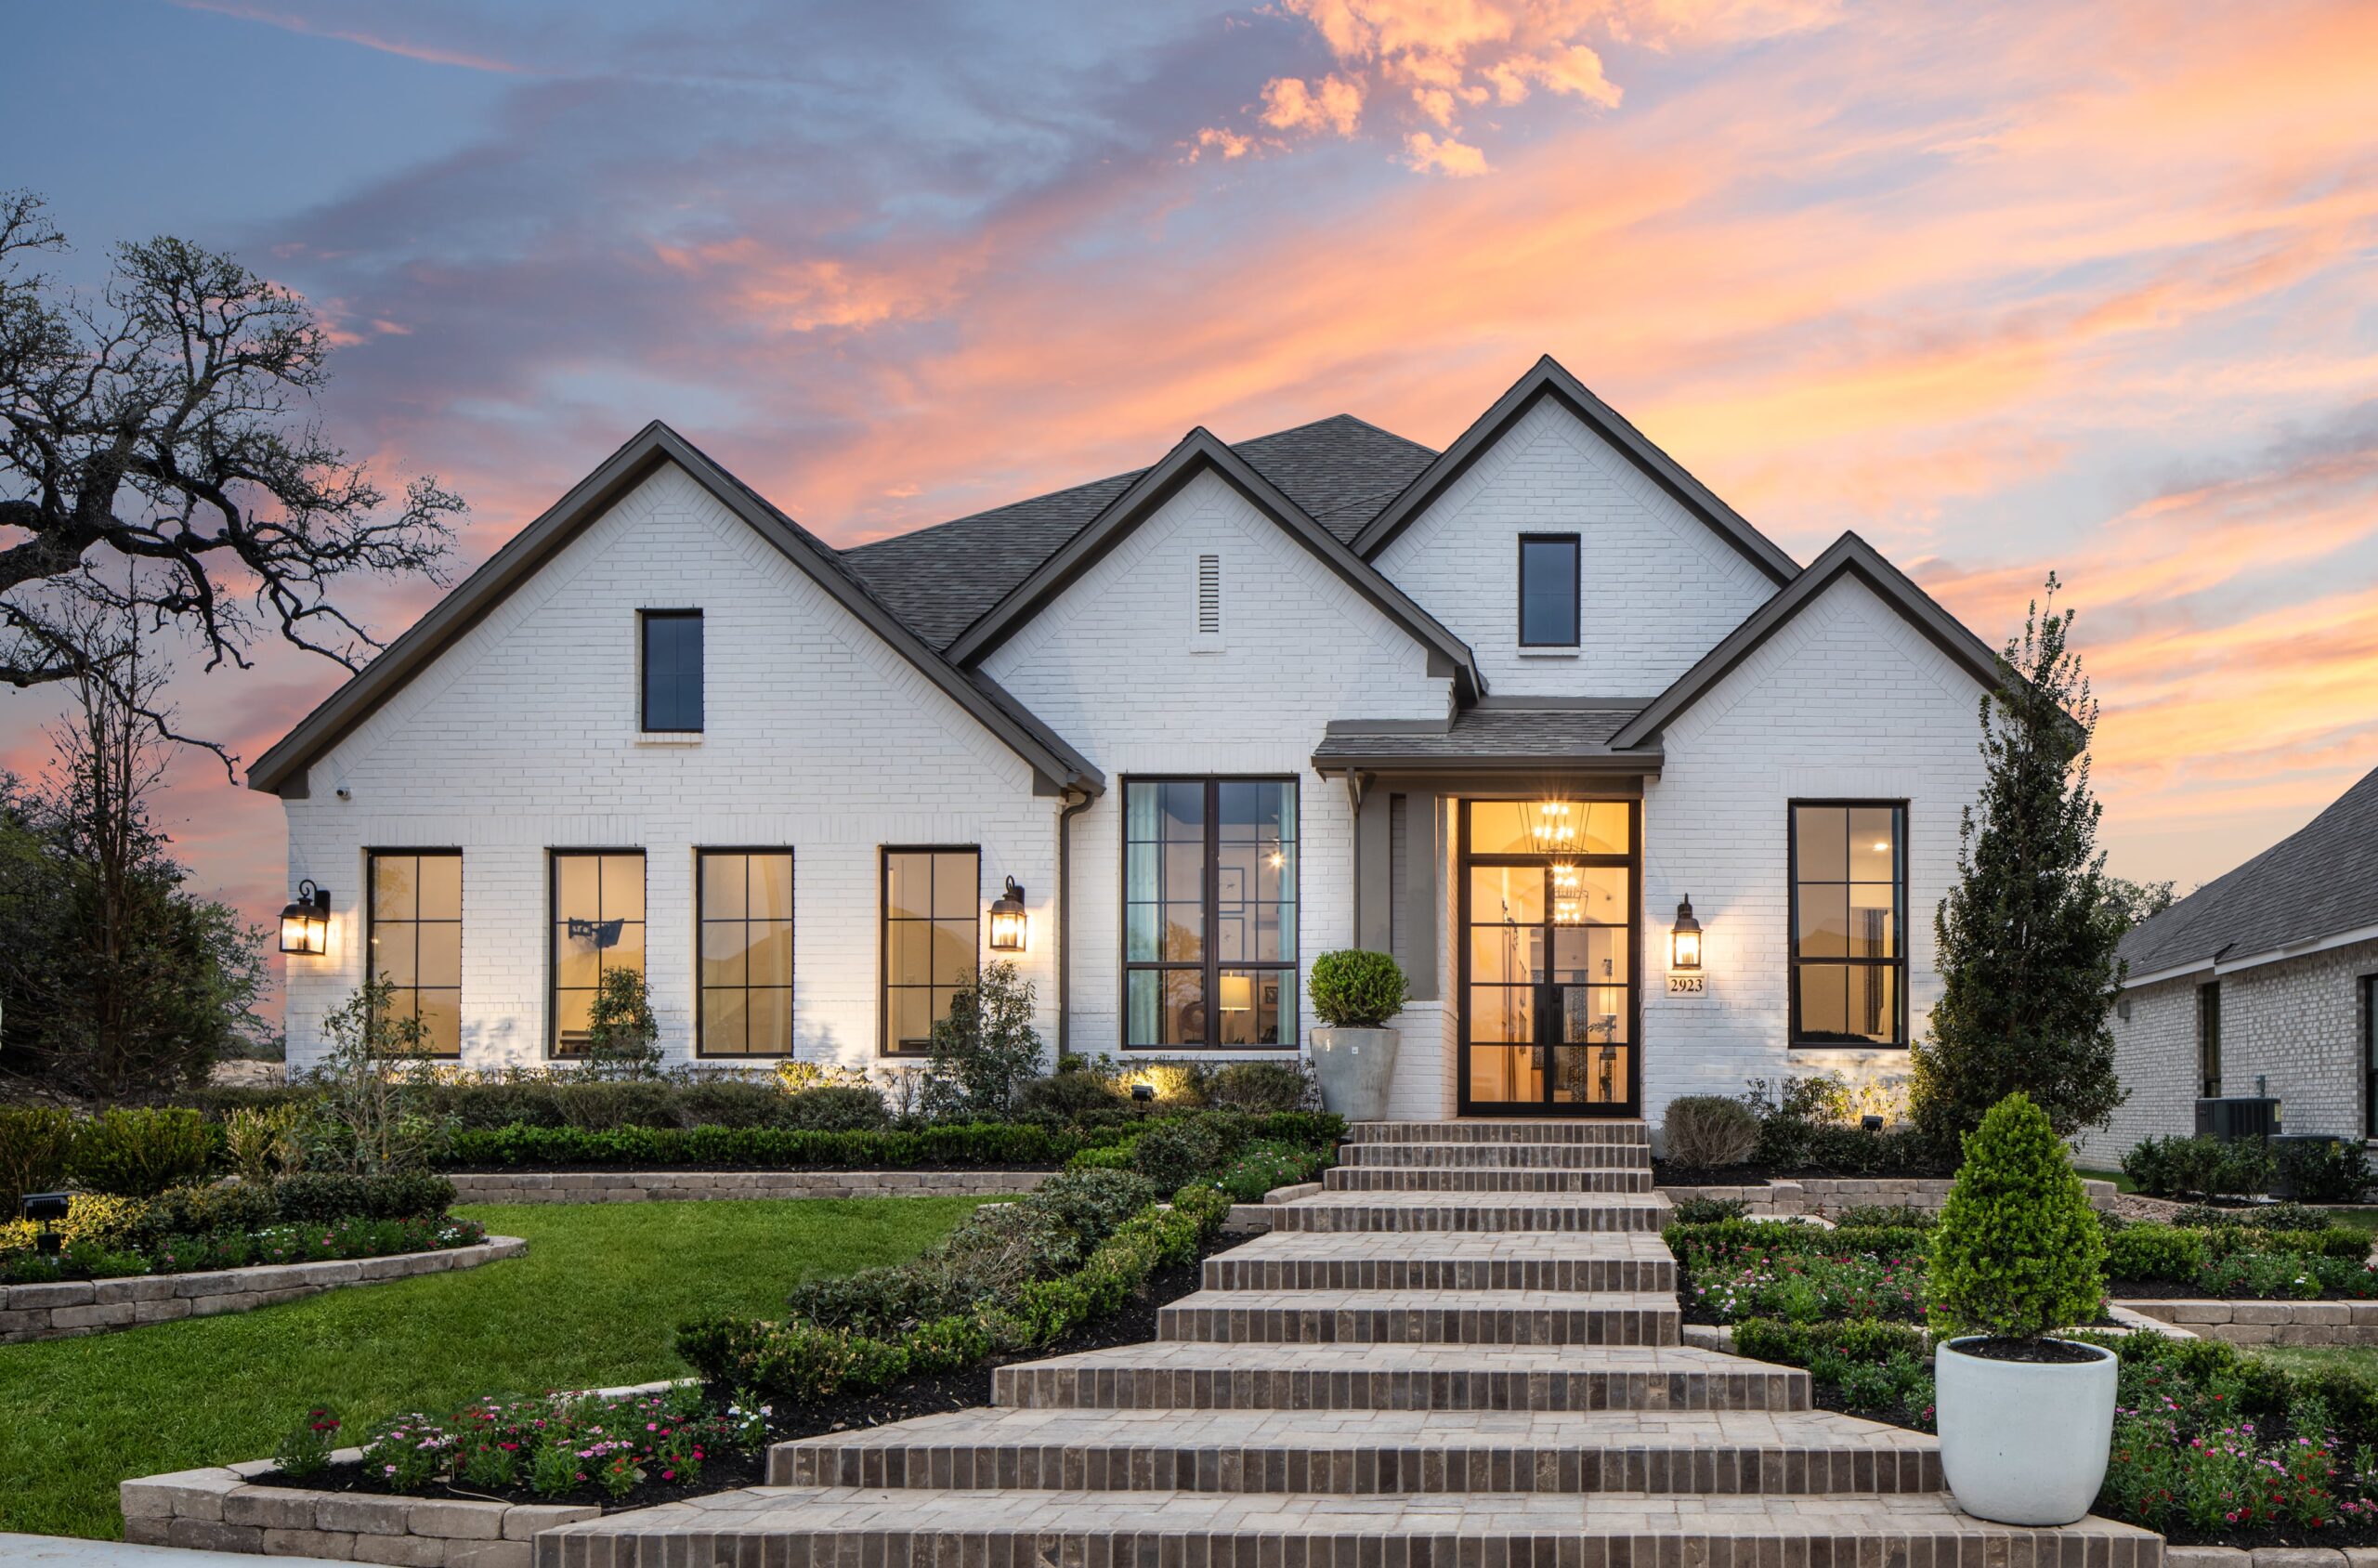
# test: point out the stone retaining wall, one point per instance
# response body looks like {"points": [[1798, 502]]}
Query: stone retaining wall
{"points": [[99, 1306], [224, 1510], [2268, 1323], [652, 1186], [1827, 1196]]}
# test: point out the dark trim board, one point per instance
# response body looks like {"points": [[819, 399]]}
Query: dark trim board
{"points": [[792, 861], [1905, 967], [884, 1047], [1210, 964]]}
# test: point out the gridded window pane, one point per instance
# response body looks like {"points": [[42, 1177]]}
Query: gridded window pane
{"points": [[1548, 591], [1250, 1004], [1549, 828], [1507, 895], [1167, 1007], [1502, 1013], [597, 927], [415, 937], [1848, 900], [933, 904], [1208, 891], [1507, 955], [672, 670], [1593, 952], [746, 900]]}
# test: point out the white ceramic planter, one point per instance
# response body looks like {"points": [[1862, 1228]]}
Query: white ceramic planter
{"points": [[1353, 1068], [2024, 1442]]}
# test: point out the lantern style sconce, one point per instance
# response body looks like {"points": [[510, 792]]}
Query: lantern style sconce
{"points": [[1684, 939], [1010, 926], [305, 925]]}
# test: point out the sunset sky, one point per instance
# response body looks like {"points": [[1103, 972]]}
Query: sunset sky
{"points": [[2005, 288]]}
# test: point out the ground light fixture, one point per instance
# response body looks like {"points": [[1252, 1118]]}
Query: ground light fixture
{"points": [[1143, 1092], [305, 924], [1684, 937], [1011, 927], [45, 1209]]}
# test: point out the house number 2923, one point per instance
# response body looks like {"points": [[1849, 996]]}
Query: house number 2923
{"points": [[1688, 984]]}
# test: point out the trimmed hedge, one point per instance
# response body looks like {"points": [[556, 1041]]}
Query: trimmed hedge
{"points": [[1858, 1339]]}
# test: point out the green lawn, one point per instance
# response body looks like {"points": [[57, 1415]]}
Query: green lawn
{"points": [[593, 1303], [2122, 1182], [2361, 1360]]}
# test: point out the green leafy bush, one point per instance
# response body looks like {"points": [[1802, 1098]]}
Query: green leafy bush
{"points": [[1256, 1086], [1178, 1150], [2213, 1167], [836, 1108], [622, 1037], [2017, 1252], [1708, 1130], [1263, 1165], [36, 1144], [2324, 1170], [1354, 989], [334, 1195], [139, 1153], [1708, 1210], [2141, 1252], [984, 1047], [1067, 1094], [198, 1208], [1793, 1344], [1889, 1216]]}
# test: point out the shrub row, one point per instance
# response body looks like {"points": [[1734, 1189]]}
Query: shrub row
{"points": [[306, 1198], [1720, 1239], [1797, 1344], [128, 1153]]}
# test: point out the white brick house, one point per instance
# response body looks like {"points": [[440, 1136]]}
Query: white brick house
{"points": [[2262, 982], [1498, 710]]}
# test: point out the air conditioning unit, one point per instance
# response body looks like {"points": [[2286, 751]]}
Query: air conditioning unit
{"points": [[2238, 1116]]}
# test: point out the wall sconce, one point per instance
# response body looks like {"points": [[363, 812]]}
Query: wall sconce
{"points": [[305, 925], [1684, 939], [1009, 925]]}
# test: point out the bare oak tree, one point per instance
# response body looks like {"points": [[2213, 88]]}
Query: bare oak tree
{"points": [[161, 430]]}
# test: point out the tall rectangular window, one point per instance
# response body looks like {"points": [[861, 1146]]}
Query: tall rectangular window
{"points": [[2208, 1041], [1210, 912], [2369, 1056], [415, 938], [597, 899], [745, 896], [672, 658], [1848, 923], [1548, 590], [932, 917]]}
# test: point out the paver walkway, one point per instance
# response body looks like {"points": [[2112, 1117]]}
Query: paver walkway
{"points": [[1462, 1353]]}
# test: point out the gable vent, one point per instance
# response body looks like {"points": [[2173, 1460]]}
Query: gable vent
{"points": [[1209, 601]]}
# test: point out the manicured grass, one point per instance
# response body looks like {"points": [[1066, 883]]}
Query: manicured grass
{"points": [[2361, 1218], [594, 1303], [2122, 1182], [2361, 1360]]}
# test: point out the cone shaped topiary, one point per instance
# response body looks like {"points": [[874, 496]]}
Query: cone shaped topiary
{"points": [[2017, 1252]]}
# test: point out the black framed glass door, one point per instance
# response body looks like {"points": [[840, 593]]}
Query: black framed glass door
{"points": [[1548, 916]]}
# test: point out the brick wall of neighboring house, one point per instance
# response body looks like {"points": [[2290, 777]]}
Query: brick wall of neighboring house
{"points": [[522, 737], [2296, 1022], [1847, 701], [1659, 587]]}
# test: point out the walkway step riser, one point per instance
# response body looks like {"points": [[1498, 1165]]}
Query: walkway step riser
{"points": [[1638, 1274], [1416, 1325], [1355, 1472], [1496, 1156], [1045, 1386], [1366, 1178], [1523, 1216], [1547, 1131]]}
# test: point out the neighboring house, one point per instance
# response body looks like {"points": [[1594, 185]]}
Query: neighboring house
{"points": [[2263, 981], [1498, 710]]}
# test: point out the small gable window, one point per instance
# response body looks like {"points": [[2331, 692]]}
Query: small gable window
{"points": [[1548, 590], [671, 669]]}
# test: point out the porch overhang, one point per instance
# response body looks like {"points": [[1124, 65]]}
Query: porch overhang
{"points": [[1493, 743]]}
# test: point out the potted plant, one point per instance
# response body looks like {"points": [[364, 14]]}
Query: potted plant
{"points": [[2025, 1419], [1354, 994]]}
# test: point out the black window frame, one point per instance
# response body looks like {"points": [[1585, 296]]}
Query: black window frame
{"points": [[2208, 1041], [884, 1044], [644, 623], [1901, 838], [793, 886], [1209, 895], [1576, 544], [2366, 1018], [371, 921], [554, 858]]}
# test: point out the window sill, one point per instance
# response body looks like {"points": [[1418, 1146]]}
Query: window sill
{"points": [[1551, 653], [669, 737], [1845, 1045]]}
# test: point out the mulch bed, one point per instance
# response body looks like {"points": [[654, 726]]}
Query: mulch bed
{"points": [[917, 1396], [640, 1167]]}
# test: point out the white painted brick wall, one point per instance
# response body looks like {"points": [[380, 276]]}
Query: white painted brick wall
{"points": [[1110, 665], [1847, 701], [522, 737], [1659, 587]]}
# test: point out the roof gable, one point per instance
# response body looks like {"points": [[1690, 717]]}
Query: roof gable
{"points": [[1198, 452], [1548, 379], [1847, 555], [282, 769]]}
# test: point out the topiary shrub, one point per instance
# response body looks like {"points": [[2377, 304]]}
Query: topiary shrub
{"points": [[1354, 990], [35, 1146], [139, 1153], [1707, 1131], [2018, 1252]]}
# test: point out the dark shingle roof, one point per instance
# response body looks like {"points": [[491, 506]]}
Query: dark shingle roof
{"points": [[2319, 882], [1480, 733], [940, 580]]}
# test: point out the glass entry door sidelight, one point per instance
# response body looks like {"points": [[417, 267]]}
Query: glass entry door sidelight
{"points": [[1548, 984]]}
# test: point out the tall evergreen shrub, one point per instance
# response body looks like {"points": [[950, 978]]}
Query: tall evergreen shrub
{"points": [[2017, 1252], [2025, 938]]}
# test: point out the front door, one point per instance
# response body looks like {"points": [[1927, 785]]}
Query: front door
{"points": [[1548, 913]]}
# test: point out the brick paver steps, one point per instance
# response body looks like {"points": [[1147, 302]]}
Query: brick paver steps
{"points": [[1634, 1260], [1454, 1317], [1371, 1451], [1202, 1377], [1461, 1353], [1473, 1211], [844, 1527]]}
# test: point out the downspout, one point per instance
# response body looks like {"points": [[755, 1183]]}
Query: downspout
{"points": [[1074, 808]]}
